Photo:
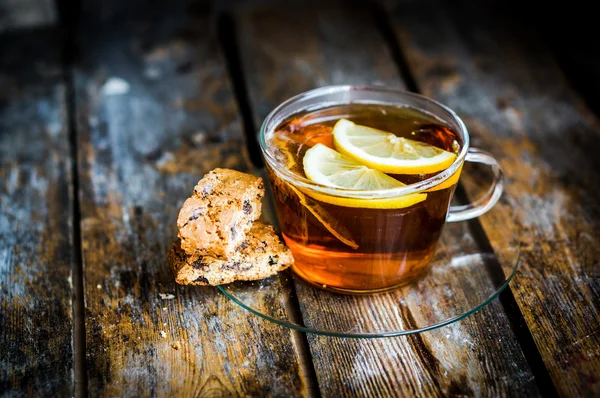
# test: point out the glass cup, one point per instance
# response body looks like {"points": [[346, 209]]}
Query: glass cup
{"points": [[346, 248]]}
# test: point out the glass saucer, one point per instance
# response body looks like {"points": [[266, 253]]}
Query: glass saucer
{"points": [[467, 272]]}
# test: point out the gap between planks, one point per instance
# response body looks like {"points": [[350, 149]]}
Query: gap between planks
{"points": [[515, 316], [68, 12], [226, 32]]}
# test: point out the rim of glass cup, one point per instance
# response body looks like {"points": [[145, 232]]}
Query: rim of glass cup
{"points": [[274, 118]]}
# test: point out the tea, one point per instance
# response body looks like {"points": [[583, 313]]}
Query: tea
{"points": [[349, 247]]}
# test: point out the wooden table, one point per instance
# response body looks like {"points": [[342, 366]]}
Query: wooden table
{"points": [[111, 113]]}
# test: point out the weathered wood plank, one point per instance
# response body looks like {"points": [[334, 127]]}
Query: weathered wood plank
{"points": [[20, 14], [287, 51], [517, 102], [36, 250], [156, 112]]}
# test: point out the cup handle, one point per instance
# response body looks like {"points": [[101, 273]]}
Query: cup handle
{"points": [[487, 201]]}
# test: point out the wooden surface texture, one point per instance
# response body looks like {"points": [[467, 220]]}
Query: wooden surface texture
{"points": [[36, 251], [155, 111], [149, 97], [518, 104]]}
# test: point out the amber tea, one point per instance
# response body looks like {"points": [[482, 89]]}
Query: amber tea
{"points": [[348, 246]]}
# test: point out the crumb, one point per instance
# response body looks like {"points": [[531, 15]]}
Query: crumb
{"points": [[176, 345], [163, 334], [166, 296], [98, 286]]}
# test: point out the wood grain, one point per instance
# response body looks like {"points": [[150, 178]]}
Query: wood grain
{"points": [[155, 112], [20, 14], [36, 251], [517, 103], [284, 52]]}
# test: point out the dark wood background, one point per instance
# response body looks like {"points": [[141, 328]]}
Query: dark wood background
{"points": [[110, 111]]}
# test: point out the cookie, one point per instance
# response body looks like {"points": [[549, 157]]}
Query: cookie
{"points": [[261, 255], [215, 219]]}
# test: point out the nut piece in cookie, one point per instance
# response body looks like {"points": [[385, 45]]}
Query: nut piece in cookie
{"points": [[215, 219], [261, 255]]}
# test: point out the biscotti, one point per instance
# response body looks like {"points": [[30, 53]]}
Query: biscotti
{"points": [[215, 219], [259, 256]]}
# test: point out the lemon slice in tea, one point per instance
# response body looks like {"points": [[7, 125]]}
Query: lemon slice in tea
{"points": [[327, 166], [388, 153]]}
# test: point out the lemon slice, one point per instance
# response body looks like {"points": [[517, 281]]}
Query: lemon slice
{"points": [[388, 153], [453, 179], [326, 166]]}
